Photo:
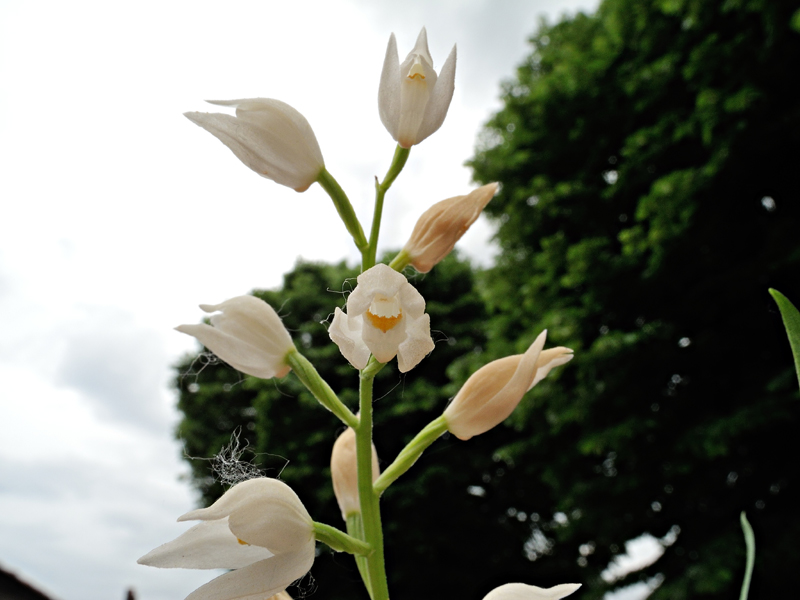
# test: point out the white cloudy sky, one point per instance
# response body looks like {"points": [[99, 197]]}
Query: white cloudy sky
{"points": [[119, 216]]}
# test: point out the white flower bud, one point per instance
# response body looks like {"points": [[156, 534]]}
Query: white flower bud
{"points": [[247, 334], [270, 137], [492, 393], [259, 527], [344, 472], [412, 100], [443, 224]]}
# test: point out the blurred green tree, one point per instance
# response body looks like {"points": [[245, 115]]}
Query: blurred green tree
{"points": [[649, 161]]}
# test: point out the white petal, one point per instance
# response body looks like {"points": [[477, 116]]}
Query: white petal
{"points": [[417, 345], [439, 102], [262, 512], [258, 580], [241, 356], [380, 279], [208, 545], [520, 591], [389, 90], [421, 46], [253, 321], [345, 331], [412, 301]]}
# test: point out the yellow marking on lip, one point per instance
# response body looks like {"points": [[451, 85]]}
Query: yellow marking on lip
{"points": [[416, 76], [243, 543], [384, 323]]}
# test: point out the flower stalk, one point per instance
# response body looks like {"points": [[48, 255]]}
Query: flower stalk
{"points": [[368, 257], [340, 541], [370, 509], [344, 208], [314, 383], [410, 454]]}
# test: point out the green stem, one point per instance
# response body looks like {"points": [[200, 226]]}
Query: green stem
{"points": [[340, 541], [369, 253], [401, 261], [355, 528], [315, 384], [409, 455], [750, 542], [344, 208], [370, 511]]}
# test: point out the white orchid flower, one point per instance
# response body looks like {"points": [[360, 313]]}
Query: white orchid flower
{"points": [[270, 137], [520, 591], [247, 334], [412, 100], [386, 317], [442, 225], [344, 472], [492, 393], [259, 527]]}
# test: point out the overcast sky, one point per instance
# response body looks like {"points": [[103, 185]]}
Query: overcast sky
{"points": [[119, 217]]}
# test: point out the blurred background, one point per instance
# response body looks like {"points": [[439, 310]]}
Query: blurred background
{"points": [[647, 153]]}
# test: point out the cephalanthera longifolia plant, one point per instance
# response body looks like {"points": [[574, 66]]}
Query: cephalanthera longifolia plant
{"points": [[259, 528]]}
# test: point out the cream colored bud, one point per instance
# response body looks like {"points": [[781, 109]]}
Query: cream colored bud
{"points": [[443, 224], [492, 393], [344, 472]]}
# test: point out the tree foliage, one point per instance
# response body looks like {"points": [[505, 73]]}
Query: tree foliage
{"points": [[648, 156]]}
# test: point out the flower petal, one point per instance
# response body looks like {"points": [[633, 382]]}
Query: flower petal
{"points": [[241, 356], [520, 591], [439, 102], [253, 321], [345, 331], [417, 345], [389, 90], [258, 580], [384, 345], [208, 545], [548, 360]]}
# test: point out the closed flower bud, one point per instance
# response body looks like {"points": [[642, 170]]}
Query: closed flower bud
{"points": [[259, 528], [412, 100], [442, 225], [247, 334], [270, 137], [492, 393], [520, 591], [344, 472]]}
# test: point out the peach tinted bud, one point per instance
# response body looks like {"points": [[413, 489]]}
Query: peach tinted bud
{"points": [[492, 393], [443, 224], [344, 472]]}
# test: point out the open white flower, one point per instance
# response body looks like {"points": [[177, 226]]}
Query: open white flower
{"points": [[247, 334], [259, 527], [344, 472], [270, 137], [443, 224], [520, 591], [492, 393], [386, 317], [412, 100]]}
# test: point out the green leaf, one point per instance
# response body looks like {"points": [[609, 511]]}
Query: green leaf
{"points": [[791, 320]]}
